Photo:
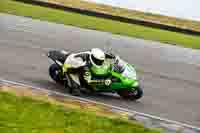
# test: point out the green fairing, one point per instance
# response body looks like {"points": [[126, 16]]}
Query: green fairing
{"points": [[105, 70], [125, 83]]}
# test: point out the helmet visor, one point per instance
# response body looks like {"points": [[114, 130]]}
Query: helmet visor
{"points": [[97, 61]]}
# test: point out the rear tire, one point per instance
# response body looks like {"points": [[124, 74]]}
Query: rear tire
{"points": [[131, 94], [54, 72]]}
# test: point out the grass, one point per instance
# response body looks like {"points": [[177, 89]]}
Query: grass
{"points": [[25, 115], [75, 19], [193, 25]]}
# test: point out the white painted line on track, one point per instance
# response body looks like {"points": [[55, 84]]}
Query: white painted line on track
{"points": [[114, 107]]}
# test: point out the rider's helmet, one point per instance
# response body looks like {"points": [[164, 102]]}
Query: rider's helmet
{"points": [[97, 57]]}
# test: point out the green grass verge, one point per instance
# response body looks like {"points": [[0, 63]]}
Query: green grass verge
{"points": [[68, 18], [25, 115], [193, 25]]}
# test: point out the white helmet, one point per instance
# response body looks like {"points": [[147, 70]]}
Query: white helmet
{"points": [[97, 57]]}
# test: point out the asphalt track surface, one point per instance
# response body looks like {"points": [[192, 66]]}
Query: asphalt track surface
{"points": [[170, 75]]}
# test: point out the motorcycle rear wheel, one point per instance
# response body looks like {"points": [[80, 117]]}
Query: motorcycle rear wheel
{"points": [[54, 72], [131, 94]]}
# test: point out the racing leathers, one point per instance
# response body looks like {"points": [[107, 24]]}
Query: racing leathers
{"points": [[81, 63]]}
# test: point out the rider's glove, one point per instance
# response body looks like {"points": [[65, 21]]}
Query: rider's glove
{"points": [[108, 82]]}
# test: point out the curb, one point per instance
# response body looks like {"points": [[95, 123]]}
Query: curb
{"points": [[148, 120]]}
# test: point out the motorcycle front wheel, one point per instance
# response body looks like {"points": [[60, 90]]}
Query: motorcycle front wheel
{"points": [[131, 94]]}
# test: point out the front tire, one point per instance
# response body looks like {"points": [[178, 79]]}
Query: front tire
{"points": [[54, 72], [131, 94]]}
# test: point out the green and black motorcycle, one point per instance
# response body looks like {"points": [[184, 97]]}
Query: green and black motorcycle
{"points": [[122, 74]]}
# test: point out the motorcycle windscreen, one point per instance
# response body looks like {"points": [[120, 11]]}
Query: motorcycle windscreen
{"points": [[129, 72]]}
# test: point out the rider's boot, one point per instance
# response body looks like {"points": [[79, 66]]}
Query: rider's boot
{"points": [[74, 87], [75, 91]]}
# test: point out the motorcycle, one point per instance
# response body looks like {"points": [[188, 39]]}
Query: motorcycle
{"points": [[122, 74]]}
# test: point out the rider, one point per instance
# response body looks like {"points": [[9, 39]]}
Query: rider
{"points": [[85, 60]]}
